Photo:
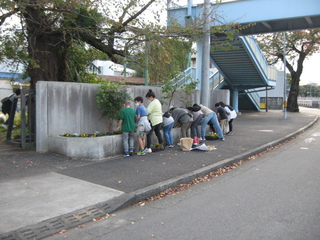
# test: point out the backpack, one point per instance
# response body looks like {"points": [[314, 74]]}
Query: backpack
{"points": [[167, 114], [4, 100], [231, 108]]}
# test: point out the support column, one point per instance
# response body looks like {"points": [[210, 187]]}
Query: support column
{"points": [[204, 98], [199, 63], [235, 99]]}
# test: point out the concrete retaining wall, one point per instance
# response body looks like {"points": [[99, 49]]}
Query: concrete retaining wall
{"points": [[93, 148], [71, 107]]}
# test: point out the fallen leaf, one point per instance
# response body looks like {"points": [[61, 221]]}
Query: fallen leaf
{"points": [[63, 231]]}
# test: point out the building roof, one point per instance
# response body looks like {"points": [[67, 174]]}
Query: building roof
{"points": [[16, 77], [127, 80]]}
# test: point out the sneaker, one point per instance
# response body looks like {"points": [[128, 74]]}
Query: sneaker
{"points": [[229, 133], [5, 126], [126, 154], [148, 150], [170, 146], [131, 151], [222, 139], [141, 153], [203, 139]]}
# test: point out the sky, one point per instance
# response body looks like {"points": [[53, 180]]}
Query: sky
{"points": [[311, 70]]}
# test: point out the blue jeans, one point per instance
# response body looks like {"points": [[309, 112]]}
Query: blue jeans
{"points": [[167, 133], [212, 117], [128, 141]]}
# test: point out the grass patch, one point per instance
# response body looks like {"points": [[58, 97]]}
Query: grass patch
{"points": [[16, 131]]}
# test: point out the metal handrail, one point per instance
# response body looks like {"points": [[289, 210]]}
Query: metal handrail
{"points": [[269, 71]]}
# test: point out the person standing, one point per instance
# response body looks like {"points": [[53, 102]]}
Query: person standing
{"points": [[155, 117], [197, 115], [210, 115], [223, 117], [127, 126], [231, 115], [7, 105], [142, 124], [168, 123], [183, 118]]}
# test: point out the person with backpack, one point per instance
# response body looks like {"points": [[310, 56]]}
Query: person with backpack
{"points": [[7, 105], [231, 115], [142, 124]]}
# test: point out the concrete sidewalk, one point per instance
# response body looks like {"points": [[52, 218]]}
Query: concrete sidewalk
{"points": [[42, 194]]}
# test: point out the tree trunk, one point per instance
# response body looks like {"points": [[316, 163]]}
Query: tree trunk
{"points": [[295, 82], [47, 49], [293, 95]]}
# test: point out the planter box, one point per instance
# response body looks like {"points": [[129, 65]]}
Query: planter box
{"points": [[93, 148]]}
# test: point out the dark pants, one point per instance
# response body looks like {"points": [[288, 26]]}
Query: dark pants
{"points": [[195, 132], [230, 125], [158, 133], [6, 109]]}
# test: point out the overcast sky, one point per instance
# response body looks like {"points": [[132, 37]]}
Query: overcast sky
{"points": [[311, 70]]}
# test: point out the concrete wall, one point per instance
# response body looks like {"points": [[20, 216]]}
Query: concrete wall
{"points": [[71, 107], [278, 89]]}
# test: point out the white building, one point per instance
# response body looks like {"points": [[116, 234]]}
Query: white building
{"points": [[112, 69]]}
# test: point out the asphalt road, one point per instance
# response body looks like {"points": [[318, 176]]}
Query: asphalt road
{"points": [[275, 196]]}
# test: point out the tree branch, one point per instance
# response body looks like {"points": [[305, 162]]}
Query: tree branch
{"points": [[9, 14]]}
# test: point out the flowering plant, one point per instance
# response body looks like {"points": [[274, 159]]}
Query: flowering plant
{"points": [[96, 134], [212, 136], [157, 147]]}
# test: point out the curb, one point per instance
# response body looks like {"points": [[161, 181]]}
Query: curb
{"points": [[73, 219]]}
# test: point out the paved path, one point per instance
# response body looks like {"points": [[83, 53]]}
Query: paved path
{"points": [[44, 193], [275, 196]]}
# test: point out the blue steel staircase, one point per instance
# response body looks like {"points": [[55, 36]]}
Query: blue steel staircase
{"points": [[243, 68]]}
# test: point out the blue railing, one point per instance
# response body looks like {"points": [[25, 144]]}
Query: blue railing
{"points": [[186, 77], [254, 97], [215, 79], [269, 73]]}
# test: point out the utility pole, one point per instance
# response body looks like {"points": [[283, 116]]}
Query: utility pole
{"points": [[204, 97], [285, 78]]}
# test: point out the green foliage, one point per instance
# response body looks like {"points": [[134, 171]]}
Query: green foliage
{"points": [[299, 46], [110, 99], [309, 91], [80, 60], [15, 131], [173, 86]]}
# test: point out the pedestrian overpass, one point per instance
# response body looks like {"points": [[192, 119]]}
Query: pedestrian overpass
{"points": [[244, 67]]}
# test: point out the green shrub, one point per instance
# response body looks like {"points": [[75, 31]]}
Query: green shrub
{"points": [[110, 99]]}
